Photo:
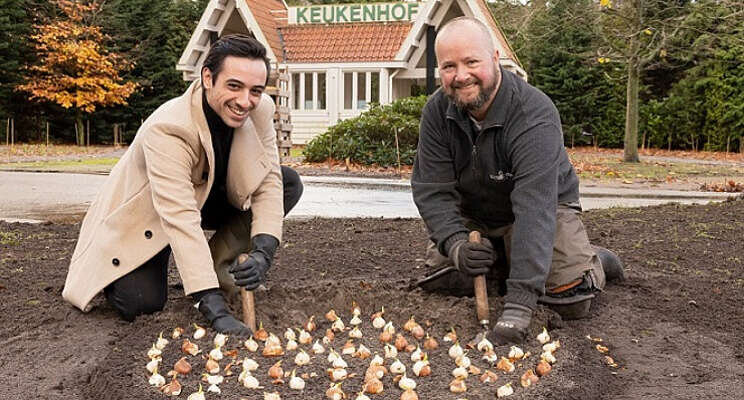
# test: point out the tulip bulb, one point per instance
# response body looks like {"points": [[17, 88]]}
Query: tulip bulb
{"points": [[290, 335], [378, 314], [552, 346], [197, 395], [331, 315], [189, 347], [177, 332], [310, 324], [329, 336], [378, 322], [430, 343], [504, 391], [386, 337], [172, 389], [488, 377], [355, 310], [361, 396], [332, 356], [292, 345], [418, 332], [458, 386], [372, 386], [355, 333], [152, 366], [348, 348], [214, 389], [156, 379], [397, 367], [213, 379], [154, 352], [515, 353], [491, 357], [451, 336], [460, 372], [305, 337], [272, 350], [276, 371], [212, 366], [302, 358], [251, 345], [161, 342], [199, 332], [543, 368], [455, 351], [337, 374], [417, 355], [409, 395], [338, 325], [339, 363], [317, 348], [335, 392], [421, 367], [528, 378], [375, 372], [295, 382], [400, 342], [505, 365], [377, 360], [261, 333], [543, 337], [548, 357], [408, 326], [463, 361], [362, 352], [216, 354], [182, 366], [220, 340], [484, 345], [406, 383], [390, 351], [249, 364], [250, 382], [272, 396], [355, 320]]}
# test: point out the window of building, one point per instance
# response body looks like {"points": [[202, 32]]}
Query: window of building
{"points": [[361, 88], [309, 91]]}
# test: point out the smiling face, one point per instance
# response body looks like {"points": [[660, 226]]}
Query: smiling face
{"points": [[237, 88], [468, 68]]}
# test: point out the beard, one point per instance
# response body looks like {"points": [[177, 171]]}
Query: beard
{"points": [[484, 93]]}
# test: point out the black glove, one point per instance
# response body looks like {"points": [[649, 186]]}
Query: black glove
{"points": [[511, 328], [472, 258], [212, 305], [251, 272]]}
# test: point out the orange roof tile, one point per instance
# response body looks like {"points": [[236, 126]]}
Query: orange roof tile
{"points": [[344, 42], [270, 15]]}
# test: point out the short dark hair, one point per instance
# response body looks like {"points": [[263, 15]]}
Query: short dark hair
{"points": [[237, 45]]}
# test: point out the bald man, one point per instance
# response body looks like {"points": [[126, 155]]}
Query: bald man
{"points": [[491, 158]]}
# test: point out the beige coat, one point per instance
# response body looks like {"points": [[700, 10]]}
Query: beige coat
{"points": [[154, 195]]}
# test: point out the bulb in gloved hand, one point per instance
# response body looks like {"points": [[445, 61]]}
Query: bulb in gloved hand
{"points": [[199, 332], [197, 395], [504, 391], [251, 345], [161, 342], [543, 337]]}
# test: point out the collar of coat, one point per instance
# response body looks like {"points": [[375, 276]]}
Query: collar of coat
{"points": [[498, 110]]}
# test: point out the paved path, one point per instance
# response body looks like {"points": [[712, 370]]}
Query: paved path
{"points": [[60, 196]]}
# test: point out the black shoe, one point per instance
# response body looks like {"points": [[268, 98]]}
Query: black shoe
{"points": [[611, 264]]}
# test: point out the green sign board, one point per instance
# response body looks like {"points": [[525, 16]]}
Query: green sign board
{"points": [[340, 13]]}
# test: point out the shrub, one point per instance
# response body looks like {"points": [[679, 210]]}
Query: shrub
{"points": [[369, 138]]}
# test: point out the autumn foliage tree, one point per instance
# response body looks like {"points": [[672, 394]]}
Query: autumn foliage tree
{"points": [[74, 69]]}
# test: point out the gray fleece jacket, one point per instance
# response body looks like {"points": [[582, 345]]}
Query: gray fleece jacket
{"points": [[513, 169]]}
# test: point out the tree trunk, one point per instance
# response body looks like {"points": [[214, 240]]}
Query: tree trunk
{"points": [[79, 131], [630, 144]]}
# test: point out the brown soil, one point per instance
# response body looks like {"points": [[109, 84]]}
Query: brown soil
{"points": [[673, 326]]}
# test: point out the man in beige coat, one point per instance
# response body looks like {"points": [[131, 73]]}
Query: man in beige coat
{"points": [[205, 160]]}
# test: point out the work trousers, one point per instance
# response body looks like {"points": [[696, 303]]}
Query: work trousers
{"points": [[573, 256], [145, 290]]}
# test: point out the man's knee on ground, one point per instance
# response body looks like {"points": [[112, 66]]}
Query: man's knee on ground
{"points": [[131, 305]]}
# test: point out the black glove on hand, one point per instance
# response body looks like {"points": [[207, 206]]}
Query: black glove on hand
{"points": [[511, 328], [250, 273], [212, 305], [472, 258]]}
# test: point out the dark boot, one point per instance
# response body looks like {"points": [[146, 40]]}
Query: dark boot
{"points": [[212, 306], [573, 300], [611, 264]]}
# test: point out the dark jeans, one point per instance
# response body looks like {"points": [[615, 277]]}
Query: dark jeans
{"points": [[145, 290]]}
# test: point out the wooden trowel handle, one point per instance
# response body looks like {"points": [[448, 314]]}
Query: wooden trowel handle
{"points": [[248, 302], [479, 286]]}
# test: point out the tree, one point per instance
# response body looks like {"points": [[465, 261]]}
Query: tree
{"points": [[74, 69]]}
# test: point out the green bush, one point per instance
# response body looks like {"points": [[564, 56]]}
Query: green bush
{"points": [[369, 138]]}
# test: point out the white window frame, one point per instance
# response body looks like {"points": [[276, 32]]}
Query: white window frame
{"points": [[303, 75], [355, 88]]}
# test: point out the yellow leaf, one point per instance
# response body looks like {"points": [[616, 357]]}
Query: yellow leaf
{"points": [[647, 31], [605, 3]]}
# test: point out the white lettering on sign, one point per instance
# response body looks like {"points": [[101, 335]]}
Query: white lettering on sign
{"points": [[340, 13]]}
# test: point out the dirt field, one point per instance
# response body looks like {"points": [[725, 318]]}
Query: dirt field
{"points": [[674, 327]]}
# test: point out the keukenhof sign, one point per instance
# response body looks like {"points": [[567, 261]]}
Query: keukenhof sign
{"points": [[340, 13]]}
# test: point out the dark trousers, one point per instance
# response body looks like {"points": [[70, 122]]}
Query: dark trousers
{"points": [[145, 290]]}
